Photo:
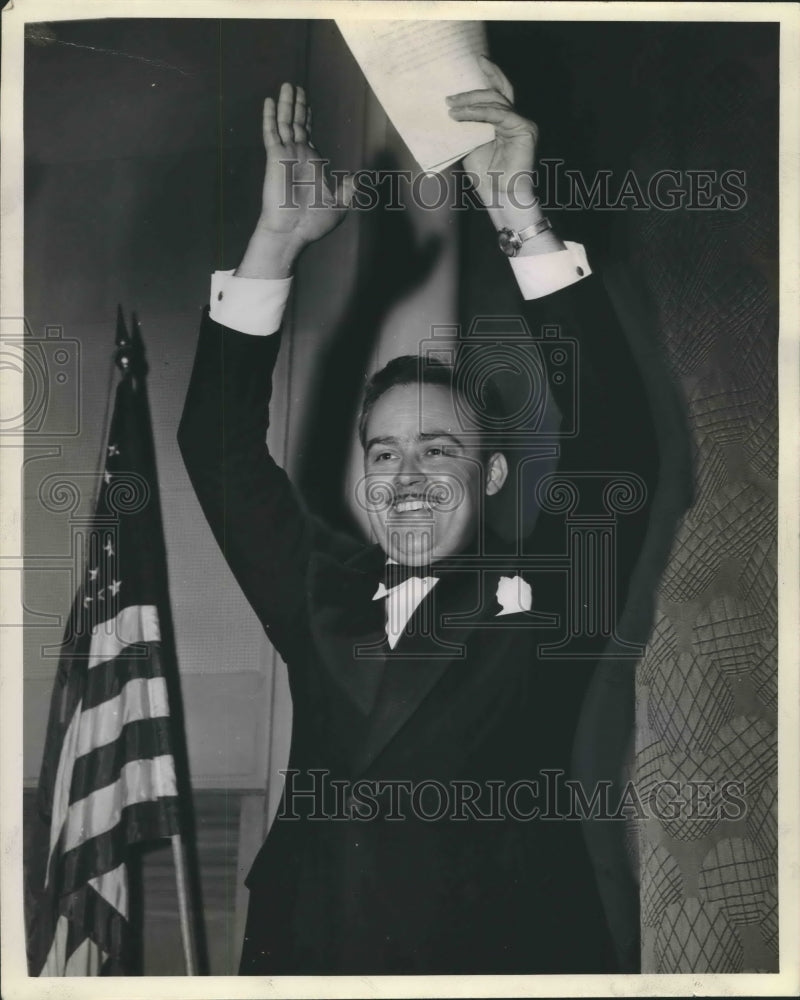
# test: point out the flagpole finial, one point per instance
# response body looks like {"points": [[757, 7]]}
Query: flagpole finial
{"points": [[123, 342], [129, 354]]}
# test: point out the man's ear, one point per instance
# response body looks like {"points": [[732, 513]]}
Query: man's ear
{"points": [[496, 473]]}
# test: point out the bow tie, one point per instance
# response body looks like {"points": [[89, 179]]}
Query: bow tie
{"points": [[394, 574]]}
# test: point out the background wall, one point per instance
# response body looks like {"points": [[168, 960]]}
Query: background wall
{"points": [[143, 169], [144, 163]]}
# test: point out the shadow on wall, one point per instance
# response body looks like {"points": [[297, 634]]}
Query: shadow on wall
{"points": [[392, 263]]}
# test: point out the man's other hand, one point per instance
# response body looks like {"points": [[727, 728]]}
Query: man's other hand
{"points": [[503, 169], [298, 205], [514, 148]]}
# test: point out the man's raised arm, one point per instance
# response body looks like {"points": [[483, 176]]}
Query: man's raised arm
{"points": [[254, 512], [616, 430]]}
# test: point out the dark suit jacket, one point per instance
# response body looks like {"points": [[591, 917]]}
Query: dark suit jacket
{"points": [[472, 701]]}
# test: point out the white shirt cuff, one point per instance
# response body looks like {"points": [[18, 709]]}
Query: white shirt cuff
{"points": [[249, 305], [543, 274]]}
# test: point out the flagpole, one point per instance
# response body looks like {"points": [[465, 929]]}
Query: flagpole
{"points": [[127, 349], [183, 904]]}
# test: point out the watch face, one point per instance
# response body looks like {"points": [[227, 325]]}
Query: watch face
{"points": [[509, 242]]}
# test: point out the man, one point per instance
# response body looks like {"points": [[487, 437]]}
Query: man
{"points": [[406, 691]]}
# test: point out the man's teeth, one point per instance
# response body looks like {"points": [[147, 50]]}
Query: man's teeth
{"points": [[405, 506]]}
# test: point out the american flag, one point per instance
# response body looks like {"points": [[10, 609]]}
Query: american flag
{"points": [[108, 773]]}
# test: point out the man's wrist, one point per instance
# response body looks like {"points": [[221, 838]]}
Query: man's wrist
{"points": [[517, 209], [270, 254]]}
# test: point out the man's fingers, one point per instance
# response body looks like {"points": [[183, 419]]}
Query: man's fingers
{"points": [[300, 112], [494, 114], [300, 106], [497, 78], [345, 192], [476, 97], [308, 127], [286, 112], [270, 125]]}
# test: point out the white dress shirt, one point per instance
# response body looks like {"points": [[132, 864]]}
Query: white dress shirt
{"points": [[256, 305], [401, 603]]}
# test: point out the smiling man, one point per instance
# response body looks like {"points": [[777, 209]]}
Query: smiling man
{"points": [[419, 830], [419, 458]]}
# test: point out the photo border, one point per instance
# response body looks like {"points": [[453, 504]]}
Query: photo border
{"points": [[15, 981]]}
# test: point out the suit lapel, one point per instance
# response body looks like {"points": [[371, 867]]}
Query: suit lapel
{"points": [[388, 685], [423, 654], [347, 625]]}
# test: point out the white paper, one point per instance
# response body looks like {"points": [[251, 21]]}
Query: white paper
{"points": [[412, 66]]}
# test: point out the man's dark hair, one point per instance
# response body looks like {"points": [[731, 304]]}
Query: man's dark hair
{"points": [[410, 369]]}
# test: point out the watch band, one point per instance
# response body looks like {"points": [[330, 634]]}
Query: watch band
{"points": [[538, 227], [511, 240]]}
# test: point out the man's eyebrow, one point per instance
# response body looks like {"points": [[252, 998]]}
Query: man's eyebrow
{"points": [[380, 440], [427, 436], [436, 435]]}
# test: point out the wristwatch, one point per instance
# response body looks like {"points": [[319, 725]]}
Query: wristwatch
{"points": [[510, 241]]}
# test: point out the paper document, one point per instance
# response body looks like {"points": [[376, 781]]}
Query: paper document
{"points": [[412, 66]]}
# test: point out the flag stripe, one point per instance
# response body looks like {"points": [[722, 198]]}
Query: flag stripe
{"points": [[56, 960], [66, 958], [103, 725], [136, 623], [151, 820], [89, 930], [139, 699], [90, 913], [139, 781], [113, 888], [144, 738], [86, 960], [106, 680], [63, 781], [84, 956]]}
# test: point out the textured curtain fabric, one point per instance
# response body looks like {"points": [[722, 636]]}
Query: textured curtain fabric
{"points": [[697, 290], [707, 686]]}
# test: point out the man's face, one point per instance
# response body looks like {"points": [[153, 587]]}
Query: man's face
{"points": [[425, 479]]}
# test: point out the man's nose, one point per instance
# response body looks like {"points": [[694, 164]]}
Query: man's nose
{"points": [[409, 471]]}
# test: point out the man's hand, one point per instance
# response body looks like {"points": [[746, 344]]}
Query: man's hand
{"points": [[513, 151], [503, 168], [297, 204]]}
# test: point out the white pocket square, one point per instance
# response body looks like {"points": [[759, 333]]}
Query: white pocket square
{"points": [[513, 595]]}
